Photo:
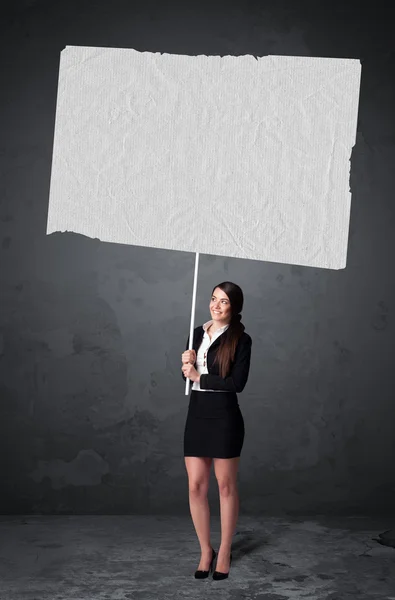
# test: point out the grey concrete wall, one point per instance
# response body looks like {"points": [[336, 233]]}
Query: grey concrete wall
{"points": [[92, 405]]}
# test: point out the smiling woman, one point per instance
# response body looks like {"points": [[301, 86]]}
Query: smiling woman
{"points": [[218, 365], [220, 308]]}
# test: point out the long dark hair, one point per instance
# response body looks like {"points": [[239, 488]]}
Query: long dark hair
{"points": [[228, 340]]}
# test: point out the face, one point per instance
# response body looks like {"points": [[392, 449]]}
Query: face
{"points": [[220, 302]]}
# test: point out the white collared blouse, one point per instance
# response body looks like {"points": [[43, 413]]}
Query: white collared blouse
{"points": [[201, 360]]}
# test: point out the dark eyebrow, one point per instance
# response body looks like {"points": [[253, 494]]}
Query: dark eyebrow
{"points": [[214, 296]]}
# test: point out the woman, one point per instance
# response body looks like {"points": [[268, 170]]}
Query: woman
{"points": [[218, 366]]}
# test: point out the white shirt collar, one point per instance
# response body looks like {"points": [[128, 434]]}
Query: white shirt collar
{"points": [[219, 330]]}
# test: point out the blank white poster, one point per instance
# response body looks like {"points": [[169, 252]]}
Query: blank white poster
{"points": [[230, 156]]}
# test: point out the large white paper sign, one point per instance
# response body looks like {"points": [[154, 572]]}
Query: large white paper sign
{"points": [[231, 156]]}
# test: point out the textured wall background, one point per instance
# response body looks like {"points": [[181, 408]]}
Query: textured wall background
{"points": [[92, 403]]}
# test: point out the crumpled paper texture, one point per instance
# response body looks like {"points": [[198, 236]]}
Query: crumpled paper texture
{"points": [[232, 156]]}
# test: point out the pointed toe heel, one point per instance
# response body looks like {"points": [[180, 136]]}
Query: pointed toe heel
{"points": [[199, 574], [217, 575]]}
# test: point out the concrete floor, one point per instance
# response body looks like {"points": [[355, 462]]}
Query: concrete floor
{"points": [[144, 557]]}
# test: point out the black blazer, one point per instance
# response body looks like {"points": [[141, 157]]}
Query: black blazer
{"points": [[239, 369]]}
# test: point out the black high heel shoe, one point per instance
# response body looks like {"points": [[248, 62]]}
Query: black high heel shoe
{"points": [[204, 574], [218, 575]]}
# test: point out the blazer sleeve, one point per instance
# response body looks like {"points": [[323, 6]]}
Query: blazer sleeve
{"points": [[186, 348], [236, 380]]}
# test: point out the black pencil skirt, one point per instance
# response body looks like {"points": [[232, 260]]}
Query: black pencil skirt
{"points": [[214, 426]]}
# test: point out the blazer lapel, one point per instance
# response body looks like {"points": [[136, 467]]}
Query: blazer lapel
{"points": [[215, 343], [199, 337]]}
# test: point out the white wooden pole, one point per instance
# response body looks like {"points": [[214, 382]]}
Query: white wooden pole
{"points": [[192, 327]]}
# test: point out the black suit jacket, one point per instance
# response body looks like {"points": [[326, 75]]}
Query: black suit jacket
{"points": [[239, 368]]}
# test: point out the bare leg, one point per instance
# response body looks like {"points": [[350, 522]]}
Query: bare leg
{"points": [[198, 469], [226, 474]]}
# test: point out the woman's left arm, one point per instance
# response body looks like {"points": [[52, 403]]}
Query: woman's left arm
{"points": [[238, 376]]}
